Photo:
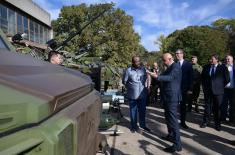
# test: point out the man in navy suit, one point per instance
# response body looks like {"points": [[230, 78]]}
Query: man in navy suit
{"points": [[186, 85], [228, 101], [171, 97], [214, 79]]}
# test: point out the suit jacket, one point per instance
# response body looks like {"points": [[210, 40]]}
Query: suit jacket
{"points": [[171, 79], [216, 84], [187, 77]]}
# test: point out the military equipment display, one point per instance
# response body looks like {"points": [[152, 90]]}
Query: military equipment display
{"points": [[46, 109]]}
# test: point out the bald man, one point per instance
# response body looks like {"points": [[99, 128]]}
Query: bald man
{"points": [[171, 96], [228, 98]]}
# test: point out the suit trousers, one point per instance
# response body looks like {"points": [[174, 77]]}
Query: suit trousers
{"points": [[196, 92], [185, 99], [207, 108], [137, 106], [172, 122], [214, 102], [228, 101]]}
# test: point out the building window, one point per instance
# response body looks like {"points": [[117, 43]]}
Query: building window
{"points": [[44, 34], [41, 35], [11, 22], [3, 18], [19, 24], [31, 25], [26, 27], [36, 33]]}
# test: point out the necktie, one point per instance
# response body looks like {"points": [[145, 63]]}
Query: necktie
{"points": [[179, 64], [213, 72]]}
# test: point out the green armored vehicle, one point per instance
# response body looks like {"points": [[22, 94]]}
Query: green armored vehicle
{"points": [[45, 109]]}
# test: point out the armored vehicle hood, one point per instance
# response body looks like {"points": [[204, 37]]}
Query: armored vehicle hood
{"points": [[32, 90]]}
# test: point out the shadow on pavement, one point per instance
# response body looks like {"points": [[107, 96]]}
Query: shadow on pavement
{"points": [[211, 141]]}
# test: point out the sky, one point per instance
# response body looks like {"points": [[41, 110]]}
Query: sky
{"points": [[155, 17]]}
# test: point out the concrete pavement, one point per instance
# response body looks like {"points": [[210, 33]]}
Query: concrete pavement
{"points": [[195, 140]]}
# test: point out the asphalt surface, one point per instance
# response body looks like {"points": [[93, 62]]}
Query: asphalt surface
{"points": [[195, 140]]}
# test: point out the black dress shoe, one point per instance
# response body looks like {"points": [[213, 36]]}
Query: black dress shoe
{"points": [[132, 130], [183, 125], [146, 129], [196, 109], [168, 138], [218, 128], [172, 149], [232, 142], [203, 125]]}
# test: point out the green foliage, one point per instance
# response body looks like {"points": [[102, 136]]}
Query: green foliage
{"points": [[111, 36], [163, 43], [201, 41], [227, 26], [151, 57]]}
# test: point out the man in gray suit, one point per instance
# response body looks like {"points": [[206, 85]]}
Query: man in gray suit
{"points": [[171, 96]]}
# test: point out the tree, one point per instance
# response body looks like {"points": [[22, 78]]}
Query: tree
{"points": [[227, 26], [162, 42], [111, 36], [201, 41]]}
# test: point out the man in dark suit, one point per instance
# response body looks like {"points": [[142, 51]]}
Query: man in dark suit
{"points": [[171, 97], [214, 78], [186, 85], [206, 91], [228, 101]]}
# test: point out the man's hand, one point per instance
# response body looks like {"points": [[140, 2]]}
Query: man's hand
{"points": [[152, 74]]}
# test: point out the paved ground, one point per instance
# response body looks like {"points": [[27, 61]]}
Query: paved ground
{"points": [[194, 140]]}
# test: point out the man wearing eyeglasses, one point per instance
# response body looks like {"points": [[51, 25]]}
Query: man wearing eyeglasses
{"points": [[214, 80], [186, 85]]}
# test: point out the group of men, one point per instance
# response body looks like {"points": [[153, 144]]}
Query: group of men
{"points": [[180, 86]]}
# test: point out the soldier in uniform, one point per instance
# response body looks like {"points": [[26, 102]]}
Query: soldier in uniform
{"points": [[197, 70]]}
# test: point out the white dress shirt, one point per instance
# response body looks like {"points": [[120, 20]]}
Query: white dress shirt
{"points": [[231, 83], [213, 66], [181, 62]]}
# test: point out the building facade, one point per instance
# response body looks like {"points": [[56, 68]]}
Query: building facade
{"points": [[25, 16]]}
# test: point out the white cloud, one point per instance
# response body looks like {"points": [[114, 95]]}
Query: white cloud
{"points": [[148, 42], [161, 14], [138, 29], [54, 13], [54, 10], [184, 5], [209, 10], [169, 16], [152, 16]]}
